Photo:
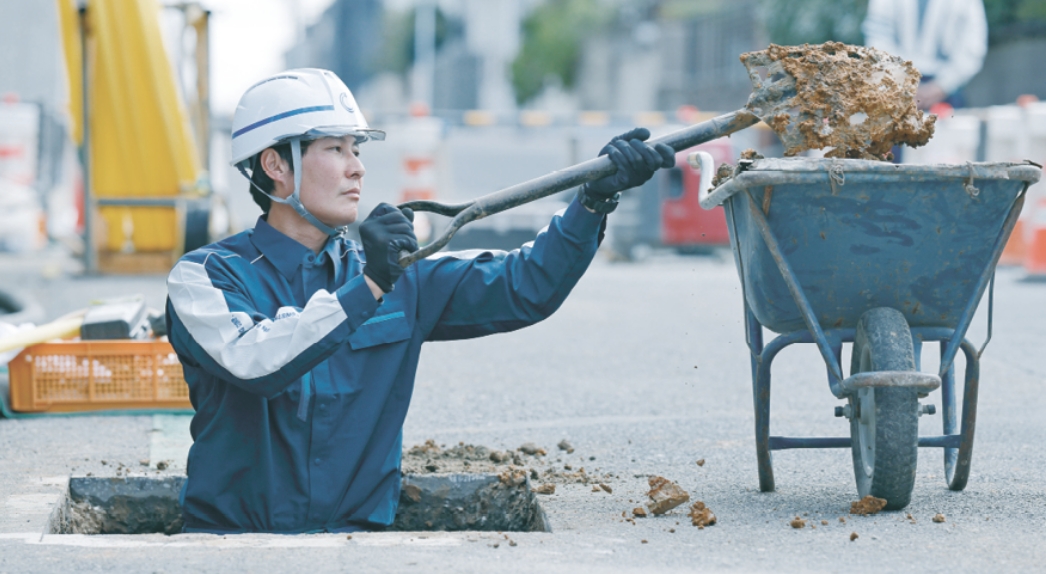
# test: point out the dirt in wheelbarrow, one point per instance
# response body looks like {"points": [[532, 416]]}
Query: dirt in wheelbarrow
{"points": [[857, 100], [528, 459]]}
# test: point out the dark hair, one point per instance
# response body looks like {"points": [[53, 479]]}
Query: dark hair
{"points": [[262, 180]]}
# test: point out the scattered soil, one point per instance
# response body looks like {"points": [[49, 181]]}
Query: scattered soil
{"points": [[701, 462], [700, 515], [824, 523], [565, 445], [606, 487], [853, 536], [938, 518], [797, 523], [665, 495], [858, 100], [431, 458], [639, 512], [868, 505]]}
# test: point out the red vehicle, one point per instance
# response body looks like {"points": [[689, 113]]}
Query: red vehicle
{"points": [[665, 213]]}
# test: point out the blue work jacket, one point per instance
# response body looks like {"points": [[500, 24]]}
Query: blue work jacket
{"points": [[301, 379]]}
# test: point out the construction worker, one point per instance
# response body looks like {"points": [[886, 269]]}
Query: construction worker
{"points": [[300, 346], [946, 40]]}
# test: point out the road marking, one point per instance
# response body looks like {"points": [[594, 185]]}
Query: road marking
{"points": [[26, 504], [377, 539]]}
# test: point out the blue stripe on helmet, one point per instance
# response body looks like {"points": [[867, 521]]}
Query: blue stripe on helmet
{"points": [[278, 117]]}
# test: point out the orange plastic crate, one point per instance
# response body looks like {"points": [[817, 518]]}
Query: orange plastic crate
{"points": [[97, 375]]}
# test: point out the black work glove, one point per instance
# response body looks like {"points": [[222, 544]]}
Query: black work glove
{"points": [[385, 233], [636, 163]]}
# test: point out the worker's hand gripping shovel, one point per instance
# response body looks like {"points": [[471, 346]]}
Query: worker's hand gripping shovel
{"points": [[774, 101]]}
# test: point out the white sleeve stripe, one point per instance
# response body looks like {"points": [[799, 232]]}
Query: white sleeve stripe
{"points": [[245, 349]]}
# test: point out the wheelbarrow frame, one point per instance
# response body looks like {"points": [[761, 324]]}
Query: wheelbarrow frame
{"points": [[958, 446]]}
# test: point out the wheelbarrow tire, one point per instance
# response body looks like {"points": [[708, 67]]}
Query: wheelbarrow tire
{"points": [[884, 430]]}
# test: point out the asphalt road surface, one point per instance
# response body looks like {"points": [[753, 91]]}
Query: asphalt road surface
{"points": [[644, 370]]}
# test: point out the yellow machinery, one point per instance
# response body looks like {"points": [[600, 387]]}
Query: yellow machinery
{"points": [[144, 169]]}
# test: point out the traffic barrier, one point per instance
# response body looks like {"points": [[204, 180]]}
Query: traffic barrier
{"points": [[1035, 257], [1016, 248]]}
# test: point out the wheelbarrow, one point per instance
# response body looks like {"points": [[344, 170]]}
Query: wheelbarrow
{"points": [[884, 257]]}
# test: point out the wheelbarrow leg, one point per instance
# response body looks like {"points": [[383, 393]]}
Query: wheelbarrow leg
{"points": [[948, 416], [961, 470], [761, 400]]}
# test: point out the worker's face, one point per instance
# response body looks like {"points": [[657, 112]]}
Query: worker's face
{"points": [[332, 180]]}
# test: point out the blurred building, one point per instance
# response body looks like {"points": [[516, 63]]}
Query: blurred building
{"points": [[471, 68], [346, 39]]}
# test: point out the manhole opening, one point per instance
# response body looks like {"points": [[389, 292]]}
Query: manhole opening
{"points": [[447, 502]]}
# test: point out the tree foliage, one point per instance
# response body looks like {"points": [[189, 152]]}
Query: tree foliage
{"points": [[553, 34]]}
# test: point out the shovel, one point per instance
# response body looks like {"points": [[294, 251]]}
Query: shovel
{"points": [[773, 100]]}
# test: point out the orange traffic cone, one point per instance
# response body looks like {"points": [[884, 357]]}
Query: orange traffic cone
{"points": [[1016, 248], [1035, 257]]}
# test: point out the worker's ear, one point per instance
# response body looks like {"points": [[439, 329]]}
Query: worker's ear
{"points": [[278, 170]]}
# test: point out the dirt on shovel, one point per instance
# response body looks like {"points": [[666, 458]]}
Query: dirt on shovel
{"points": [[857, 100]]}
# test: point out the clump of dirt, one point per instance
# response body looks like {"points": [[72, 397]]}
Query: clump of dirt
{"points": [[665, 495], [858, 100], [868, 505], [547, 488], [565, 445], [724, 172], [938, 518], [700, 515], [797, 523], [853, 536], [639, 512]]}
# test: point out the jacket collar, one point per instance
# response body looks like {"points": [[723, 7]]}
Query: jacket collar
{"points": [[283, 252]]}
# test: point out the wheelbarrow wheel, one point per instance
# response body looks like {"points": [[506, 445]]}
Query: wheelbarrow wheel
{"points": [[884, 422]]}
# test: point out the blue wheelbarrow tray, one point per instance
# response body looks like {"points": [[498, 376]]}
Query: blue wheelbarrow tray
{"points": [[913, 237], [820, 242]]}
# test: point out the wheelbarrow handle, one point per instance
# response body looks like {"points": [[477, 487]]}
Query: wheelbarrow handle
{"points": [[561, 180]]}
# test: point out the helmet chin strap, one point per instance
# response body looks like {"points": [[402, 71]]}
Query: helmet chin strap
{"points": [[294, 199]]}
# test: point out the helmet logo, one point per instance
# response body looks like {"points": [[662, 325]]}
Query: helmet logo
{"points": [[344, 99]]}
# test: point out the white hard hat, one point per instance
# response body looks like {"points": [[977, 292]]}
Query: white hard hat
{"points": [[305, 103]]}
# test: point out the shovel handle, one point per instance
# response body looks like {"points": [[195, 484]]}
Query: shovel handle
{"points": [[561, 180]]}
